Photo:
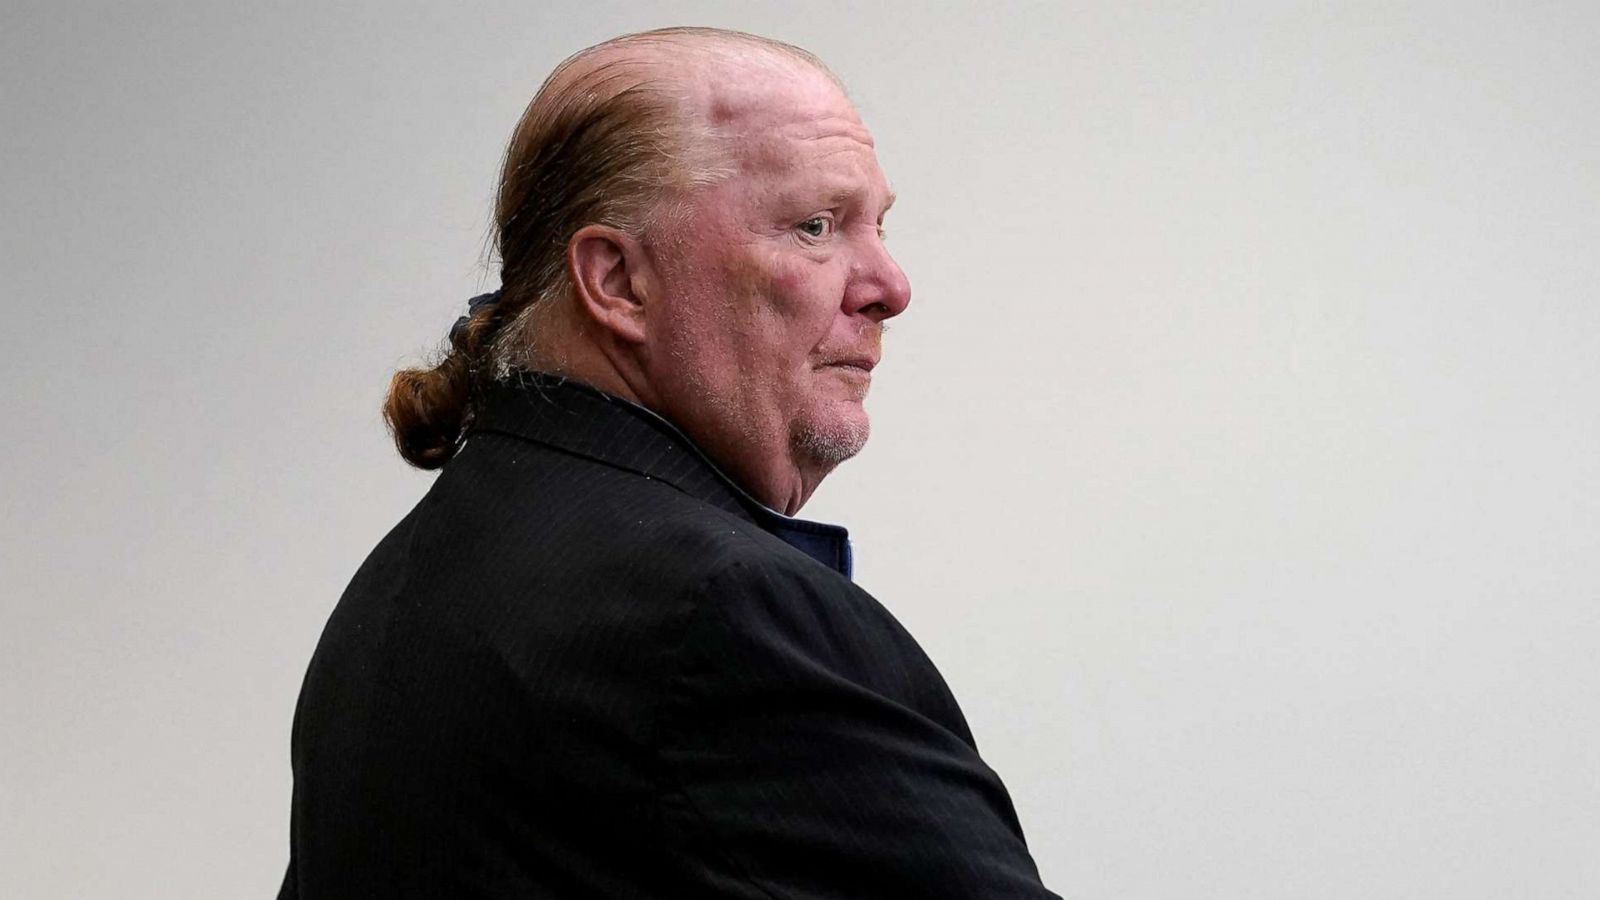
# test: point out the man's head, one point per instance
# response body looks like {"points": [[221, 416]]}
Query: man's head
{"points": [[725, 266]]}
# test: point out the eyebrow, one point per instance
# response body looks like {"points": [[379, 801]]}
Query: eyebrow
{"points": [[844, 194]]}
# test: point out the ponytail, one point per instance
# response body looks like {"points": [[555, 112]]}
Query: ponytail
{"points": [[428, 410]]}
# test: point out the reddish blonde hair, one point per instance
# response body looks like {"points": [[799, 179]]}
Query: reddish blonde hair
{"points": [[606, 141]]}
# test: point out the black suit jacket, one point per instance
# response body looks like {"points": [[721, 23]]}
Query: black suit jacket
{"points": [[587, 665]]}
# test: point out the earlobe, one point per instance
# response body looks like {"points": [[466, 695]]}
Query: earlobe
{"points": [[601, 261]]}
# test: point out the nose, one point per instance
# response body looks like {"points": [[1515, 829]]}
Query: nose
{"points": [[878, 289]]}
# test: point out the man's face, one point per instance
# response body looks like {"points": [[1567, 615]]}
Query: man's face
{"points": [[776, 281]]}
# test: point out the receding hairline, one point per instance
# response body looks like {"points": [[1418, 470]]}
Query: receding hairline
{"points": [[688, 67], [648, 103], [694, 76], [715, 44]]}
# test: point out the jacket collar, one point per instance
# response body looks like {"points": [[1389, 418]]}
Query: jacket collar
{"points": [[573, 417]]}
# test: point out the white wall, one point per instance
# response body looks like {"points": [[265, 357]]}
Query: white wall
{"points": [[1237, 460]]}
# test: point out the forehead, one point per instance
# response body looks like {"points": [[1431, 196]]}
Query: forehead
{"points": [[748, 98], [789, 125]]}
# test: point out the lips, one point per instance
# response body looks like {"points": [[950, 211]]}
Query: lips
{"points": [[864, 363]]}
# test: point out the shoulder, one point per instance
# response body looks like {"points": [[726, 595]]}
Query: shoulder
{"points": [[765, 624], [809, 741], [534, 512], [566, 547]]}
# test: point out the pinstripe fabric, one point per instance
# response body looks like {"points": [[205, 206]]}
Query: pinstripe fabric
{"points": [[586, 665]]}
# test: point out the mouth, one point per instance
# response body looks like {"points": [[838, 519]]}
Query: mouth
{"points": [[865, 364]]}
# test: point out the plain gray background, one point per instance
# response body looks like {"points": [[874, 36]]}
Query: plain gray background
{"points": [[1236, 460]]}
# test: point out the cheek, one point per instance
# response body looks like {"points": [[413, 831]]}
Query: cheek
{"points": [[752, 277], [756, 303], [768, 310], [793, 283], [813, 295], [799, 293]]}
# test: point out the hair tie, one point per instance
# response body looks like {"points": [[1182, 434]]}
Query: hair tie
{"points": [[473, 305]]}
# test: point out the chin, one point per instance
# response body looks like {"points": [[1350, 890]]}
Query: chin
{"points": [[834, 440]]}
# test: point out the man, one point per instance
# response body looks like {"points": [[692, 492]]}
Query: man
{"points": [[599, 659]]}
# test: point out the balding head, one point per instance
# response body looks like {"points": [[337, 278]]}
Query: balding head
{"points": [[689, 219], [749, 312], [618, 135], [614, 136]]}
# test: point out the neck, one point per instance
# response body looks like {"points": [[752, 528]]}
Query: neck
{"points": [[781, 484], [767, 469]]}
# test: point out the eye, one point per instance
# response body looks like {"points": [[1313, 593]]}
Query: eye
{"points": [[816, 226]]}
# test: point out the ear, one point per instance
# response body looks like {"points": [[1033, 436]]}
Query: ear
{"points": [[604, 264]]}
